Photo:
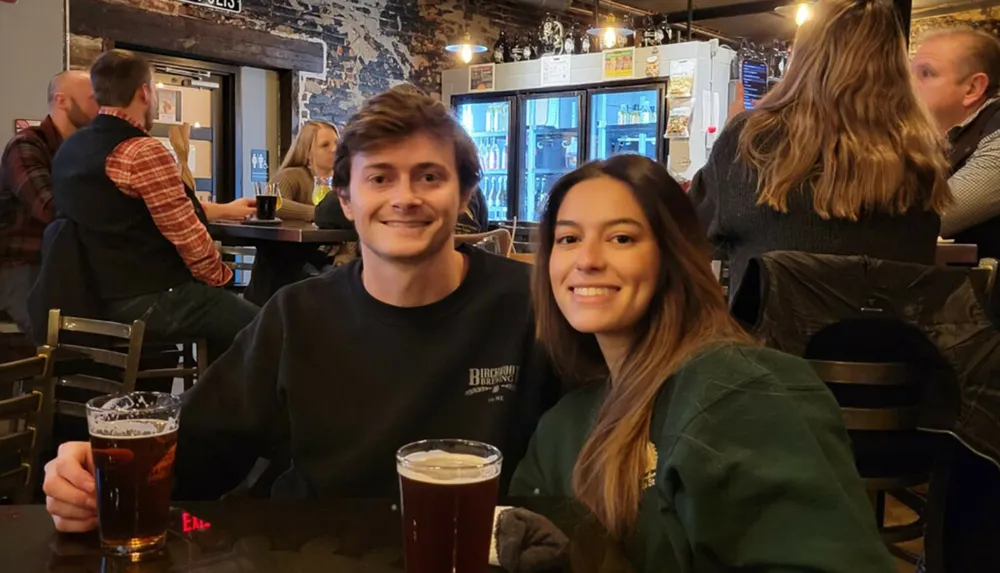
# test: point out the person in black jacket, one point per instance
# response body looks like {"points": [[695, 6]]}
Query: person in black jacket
{"points": [[422, 340], [840, 158]]}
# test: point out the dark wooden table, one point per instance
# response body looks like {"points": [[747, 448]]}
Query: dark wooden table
{"points": [[349, 536], [236, 233]]}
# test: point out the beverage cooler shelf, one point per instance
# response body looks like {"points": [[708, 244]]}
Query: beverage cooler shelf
{"points": [[628, 126], [482, 134]]}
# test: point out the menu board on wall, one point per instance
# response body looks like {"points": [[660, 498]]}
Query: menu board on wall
{"points": [[227, 5]]}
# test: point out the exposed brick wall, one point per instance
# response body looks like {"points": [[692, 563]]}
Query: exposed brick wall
{"points": [[371, 44]]}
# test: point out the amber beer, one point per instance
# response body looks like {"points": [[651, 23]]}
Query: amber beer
{"points": [[134, 440], [449, 491]]}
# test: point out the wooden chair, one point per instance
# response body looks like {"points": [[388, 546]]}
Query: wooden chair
{"points": [[30, 411], [502, 237], [879, 406], [121, 352]]}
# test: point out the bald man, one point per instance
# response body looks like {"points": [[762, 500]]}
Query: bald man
{"points": [[26, 205], [957, 73]]}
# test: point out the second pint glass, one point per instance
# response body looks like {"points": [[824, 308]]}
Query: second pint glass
{"points": [[449, 491], [134, 439]]}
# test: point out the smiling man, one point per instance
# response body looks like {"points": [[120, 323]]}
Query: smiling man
{"points": [[422, 340]]}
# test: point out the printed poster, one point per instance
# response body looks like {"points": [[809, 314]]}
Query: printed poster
{"points": [[619, 64], [482, 77], [555, 70]]}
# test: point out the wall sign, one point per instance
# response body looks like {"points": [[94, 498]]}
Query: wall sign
{"points": [[227, 5], [619, 64], [482, 77], [22, 124], [258, 166], [555, 70]]}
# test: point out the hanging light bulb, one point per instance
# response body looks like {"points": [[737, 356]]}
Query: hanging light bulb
{"points": [[610, 38], [803, 12], [610, 31], [465, 53], [465, 48]]}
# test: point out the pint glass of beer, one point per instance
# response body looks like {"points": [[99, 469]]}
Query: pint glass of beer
{"points": [[449, 492], [134, 438]]}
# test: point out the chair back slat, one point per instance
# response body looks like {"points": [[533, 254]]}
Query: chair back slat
{"points": [[20, 406], [91, 383], [880, 419], [22, 370], [98, 327], [16, 479], [17, 442], [74, 409], [868, 373], [99, 355]]}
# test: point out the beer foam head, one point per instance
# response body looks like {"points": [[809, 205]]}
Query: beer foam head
{"points": [[131, 428], [133, 415], [448, 468]]}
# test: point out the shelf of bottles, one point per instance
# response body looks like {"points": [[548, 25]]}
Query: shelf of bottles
{"points": [[551, 149], [488, 124], [624, 122]]}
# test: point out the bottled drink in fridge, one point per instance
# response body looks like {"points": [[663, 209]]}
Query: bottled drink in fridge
{"points": [[645, 113], [503, 156], [623, 115], [467, 118], [634, 116], [491, 157], [490, 111]]}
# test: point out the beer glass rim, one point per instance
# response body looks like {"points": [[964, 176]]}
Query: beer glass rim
{"points": [[172, 401], [415, 447]]}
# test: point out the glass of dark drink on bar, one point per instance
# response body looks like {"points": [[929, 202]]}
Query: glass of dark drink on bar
{"points": [[449, 492], [268, 201], [134, 439]]}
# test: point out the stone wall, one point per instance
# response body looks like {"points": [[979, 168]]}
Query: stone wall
{"points": [[371, 44], [985, 19]]}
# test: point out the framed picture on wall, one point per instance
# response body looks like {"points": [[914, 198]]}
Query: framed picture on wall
{"points": [[168, 105]]}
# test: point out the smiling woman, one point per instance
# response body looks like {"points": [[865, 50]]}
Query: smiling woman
{"points": [[695, 448]]}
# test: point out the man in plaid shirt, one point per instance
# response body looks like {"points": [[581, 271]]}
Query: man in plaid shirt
{"points": [[147, 250], [26, 205]]}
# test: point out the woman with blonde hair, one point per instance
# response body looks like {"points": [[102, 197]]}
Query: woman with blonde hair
{"points": [[839, 158], [696, 450], [310, 156]]}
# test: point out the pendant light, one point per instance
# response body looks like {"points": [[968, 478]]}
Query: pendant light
{"points": [[464, 46], [610, 31]]}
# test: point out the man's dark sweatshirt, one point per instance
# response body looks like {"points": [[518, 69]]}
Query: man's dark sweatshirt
{"points": [[339, 381]]}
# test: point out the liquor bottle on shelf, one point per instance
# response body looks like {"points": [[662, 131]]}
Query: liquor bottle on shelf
{"points": [[645, 113], [585, 44], [666, 33], [623, 114], [501, 49]]}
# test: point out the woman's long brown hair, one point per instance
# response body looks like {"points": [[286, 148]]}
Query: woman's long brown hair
{"points": [[846, 121], [686, 314]]}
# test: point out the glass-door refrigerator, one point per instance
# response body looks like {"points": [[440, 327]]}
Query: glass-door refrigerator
{"points": [[551, 139], [626, 120], [488, 120]]}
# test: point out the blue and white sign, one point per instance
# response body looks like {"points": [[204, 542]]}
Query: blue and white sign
{"points": [[258, 166]]}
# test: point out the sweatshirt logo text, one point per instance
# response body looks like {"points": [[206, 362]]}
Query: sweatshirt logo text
{"points": [[492, 380]]}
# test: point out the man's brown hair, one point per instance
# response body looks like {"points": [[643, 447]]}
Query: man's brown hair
{"points": [[401, 112], [116, 75], [982, 55]]}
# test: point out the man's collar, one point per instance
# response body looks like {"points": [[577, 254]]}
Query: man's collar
{"points": [[953, 132], [120, 114], [51, 135]]}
